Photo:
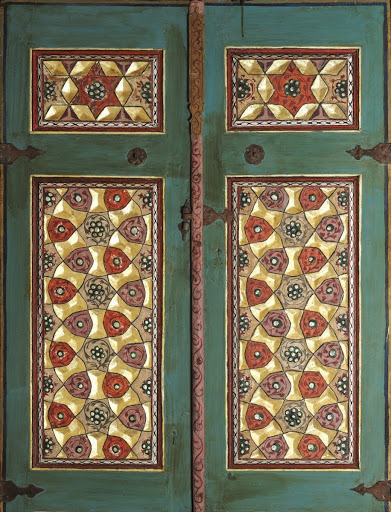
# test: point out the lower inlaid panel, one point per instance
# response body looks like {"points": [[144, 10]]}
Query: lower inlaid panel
{"points": [[293, 322], [97, 322]]}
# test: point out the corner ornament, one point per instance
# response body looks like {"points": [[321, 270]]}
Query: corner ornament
{"points": [[380, 490]]}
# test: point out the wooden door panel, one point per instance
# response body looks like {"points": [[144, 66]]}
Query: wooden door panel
{"points": [[156, 472], [290, 155]]}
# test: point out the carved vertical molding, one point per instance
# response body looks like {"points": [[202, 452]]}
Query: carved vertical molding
{"points": [[2, 253], [196, 107]]}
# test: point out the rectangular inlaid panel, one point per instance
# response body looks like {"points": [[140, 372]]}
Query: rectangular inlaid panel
{"points": [[97, 322], [292, 89], [97, 90], [293, 322]]}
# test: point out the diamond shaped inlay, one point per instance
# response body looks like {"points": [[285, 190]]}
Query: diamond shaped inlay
{"points": [[123, 91], [278, 67], [333, 67], [56, 67], [265, 89], [252, 112], [319, 88], [306, 67], [55, 112], [251, 66], [82, 67], [69, 90], [136, 68], [110, 68]]}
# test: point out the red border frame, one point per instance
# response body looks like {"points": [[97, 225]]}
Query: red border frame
{"points": [[73, 54], [294, 127], [355, 464], [36, 181]]}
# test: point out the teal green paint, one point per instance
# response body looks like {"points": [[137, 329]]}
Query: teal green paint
{"points": [[296, 153], [168, 156]]}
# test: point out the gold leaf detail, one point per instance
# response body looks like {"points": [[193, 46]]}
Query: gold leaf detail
{"points": [[319, 88], [69, 90], [55, 112], [110, 68], [251, 66], [333, 111], [108, 114], [123, 91], [281, 113], [82, 67], [136, 68], [306, 67], [306, 111], [333, 67], [252, 112], [138, 114], [278, 67], [83, 112], [265, 89], [56, 67]]}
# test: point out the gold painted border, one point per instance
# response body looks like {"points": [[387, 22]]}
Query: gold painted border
{"points": [[293, 130], [359, 340], [93, 132], [162, 373]]}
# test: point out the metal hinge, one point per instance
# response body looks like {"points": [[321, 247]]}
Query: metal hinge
{"points": [[9, 153], [381, 152], [209, 216], [380, 490], [9, 491]]}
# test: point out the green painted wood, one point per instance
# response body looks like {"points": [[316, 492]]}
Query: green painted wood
{"points": [[296, 154], [168, 155]]}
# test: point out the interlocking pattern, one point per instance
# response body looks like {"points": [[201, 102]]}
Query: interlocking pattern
{"points": [[292, 89], [97, 322], [293, 330], [90, 90]]}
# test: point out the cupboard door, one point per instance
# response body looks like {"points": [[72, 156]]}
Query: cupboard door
{"points": [[97, 370], [295, 339]]}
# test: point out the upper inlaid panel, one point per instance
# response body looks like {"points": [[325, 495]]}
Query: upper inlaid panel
{"points": [[97, 90], [97, 322], [292, 89]]}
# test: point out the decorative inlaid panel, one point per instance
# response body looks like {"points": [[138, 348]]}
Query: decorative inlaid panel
{"points": [[292, 89], [97, 90], [293, 322], [97, 322]]}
